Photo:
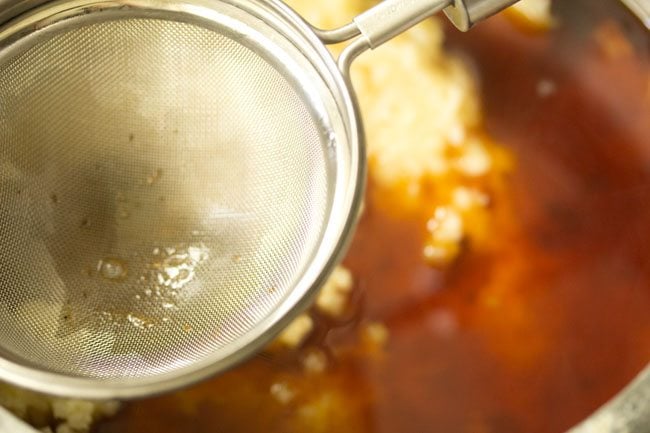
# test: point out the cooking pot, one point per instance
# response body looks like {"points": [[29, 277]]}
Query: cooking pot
{"points": [[629, 410]]}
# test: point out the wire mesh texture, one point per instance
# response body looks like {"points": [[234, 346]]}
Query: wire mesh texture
{"points": [[162, 186]]}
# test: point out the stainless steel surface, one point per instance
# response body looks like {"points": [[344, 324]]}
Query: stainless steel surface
{"points": [[391, 17], [465, 13], [628, 412], [10, 424], [177, 179], [640, 8]]}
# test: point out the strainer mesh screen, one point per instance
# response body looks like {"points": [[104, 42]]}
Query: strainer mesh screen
{"points": [[160, 185]]}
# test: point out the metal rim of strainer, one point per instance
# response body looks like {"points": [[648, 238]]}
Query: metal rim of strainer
{"points": [[347, 193]]}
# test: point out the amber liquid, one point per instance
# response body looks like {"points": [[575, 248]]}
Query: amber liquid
{"points": [[529, 335]]}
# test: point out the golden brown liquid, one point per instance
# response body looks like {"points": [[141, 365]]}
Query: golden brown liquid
{"points": [[530, 334]]}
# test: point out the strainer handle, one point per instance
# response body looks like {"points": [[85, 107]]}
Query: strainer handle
{"points": [[391, 17], [465, 13]]}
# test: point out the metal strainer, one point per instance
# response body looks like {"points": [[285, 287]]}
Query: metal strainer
{"points": [[177, 179]]}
